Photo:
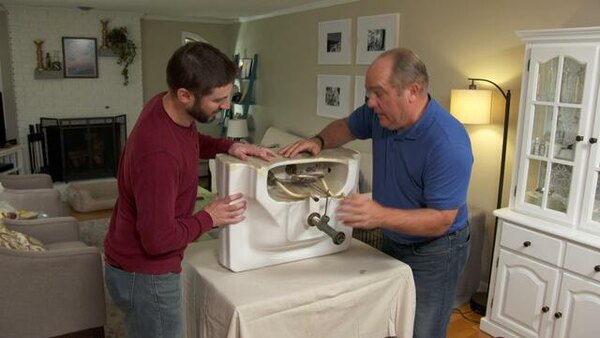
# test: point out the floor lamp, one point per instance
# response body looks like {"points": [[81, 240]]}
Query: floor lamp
{"points": [[473, 106]]}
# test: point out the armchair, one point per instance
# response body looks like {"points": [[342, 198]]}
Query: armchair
{"points": [[32, 192], [53, 292]]}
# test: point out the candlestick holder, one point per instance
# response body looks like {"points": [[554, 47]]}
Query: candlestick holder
{"points": [[104, 45], [39, 54]]}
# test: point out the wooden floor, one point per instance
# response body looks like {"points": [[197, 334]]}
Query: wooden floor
{"points": [[464, 323]]}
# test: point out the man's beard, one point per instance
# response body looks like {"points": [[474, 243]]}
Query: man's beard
{"points": [[202, 116]]}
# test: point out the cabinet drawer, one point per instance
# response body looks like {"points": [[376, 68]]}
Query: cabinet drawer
{"points": [[583, 261], [531, 243]]}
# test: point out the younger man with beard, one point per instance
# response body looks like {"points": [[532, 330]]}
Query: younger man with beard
{"points": [[152, 221]]}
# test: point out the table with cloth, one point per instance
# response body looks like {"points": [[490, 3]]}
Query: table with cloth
{"points": [[359, 292]]}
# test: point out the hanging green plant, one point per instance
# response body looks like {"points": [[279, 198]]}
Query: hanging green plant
{"points": [[124, 48]]}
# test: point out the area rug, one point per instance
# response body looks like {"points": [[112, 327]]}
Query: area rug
{"points": [[92, 232]]}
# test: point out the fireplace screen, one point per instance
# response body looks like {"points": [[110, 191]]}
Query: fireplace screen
{"points": [[84, 148]]}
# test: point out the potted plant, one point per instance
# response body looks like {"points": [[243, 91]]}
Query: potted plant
{"points": [[124, 48]]}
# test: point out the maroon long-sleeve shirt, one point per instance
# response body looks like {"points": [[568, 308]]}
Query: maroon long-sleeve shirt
{"points": [[152, 221]]}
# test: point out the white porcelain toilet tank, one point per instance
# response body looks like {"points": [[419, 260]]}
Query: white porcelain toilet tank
{"points": [[291, 207]]}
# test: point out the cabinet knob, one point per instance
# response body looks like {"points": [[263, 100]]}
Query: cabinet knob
{"points": [[578, 138], [557, 315], [527, 244], [593, 140], [545, 309], [597, 268]]}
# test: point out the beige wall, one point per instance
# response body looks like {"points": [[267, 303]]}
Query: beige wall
{"points": [[456, 39], [161, 38]]}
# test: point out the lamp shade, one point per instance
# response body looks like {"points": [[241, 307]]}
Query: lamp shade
{"points": [[471, 106], [237, 128]]}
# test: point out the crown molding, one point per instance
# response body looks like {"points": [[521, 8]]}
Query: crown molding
{"points": [[302, 8], [190, 19]]}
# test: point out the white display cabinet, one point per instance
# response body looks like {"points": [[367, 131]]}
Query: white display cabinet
{"points": [[545, 280]]}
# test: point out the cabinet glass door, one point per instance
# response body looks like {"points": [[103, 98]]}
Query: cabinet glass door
{"points": [[557, 113]]}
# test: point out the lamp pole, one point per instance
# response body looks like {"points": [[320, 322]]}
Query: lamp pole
{"points": [[479, 300], [506, 96]]}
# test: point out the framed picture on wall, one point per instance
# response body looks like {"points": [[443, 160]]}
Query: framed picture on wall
{"points": [[375, 35], [333, 95], [334, 42], [80, 58], [360, 92]]}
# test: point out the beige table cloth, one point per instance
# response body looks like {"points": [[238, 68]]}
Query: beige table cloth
{"points": [[360, 292]]}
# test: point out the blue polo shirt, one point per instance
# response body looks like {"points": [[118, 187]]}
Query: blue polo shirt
{"points": [[425, 166]]}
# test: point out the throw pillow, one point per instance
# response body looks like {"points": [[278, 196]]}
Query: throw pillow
{"points": [[11, 239]]}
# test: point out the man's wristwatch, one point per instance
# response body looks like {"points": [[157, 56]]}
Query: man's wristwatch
{"points": [[318, 137]]}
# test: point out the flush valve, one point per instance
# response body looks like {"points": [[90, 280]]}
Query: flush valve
{"points": [[320, 222]]}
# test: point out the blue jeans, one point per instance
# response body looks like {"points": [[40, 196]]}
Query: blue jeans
{"points": [[151, 303], [436, 266]]}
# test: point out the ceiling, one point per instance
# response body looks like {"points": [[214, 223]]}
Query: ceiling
{"points": [[194, 10]]}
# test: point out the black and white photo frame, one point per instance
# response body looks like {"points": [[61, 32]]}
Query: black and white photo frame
{"points": [[333, 95], [360, 92], [334, 42], [375, 35]]}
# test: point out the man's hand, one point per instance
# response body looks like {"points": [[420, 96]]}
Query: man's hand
{"points": [[311, 145], [224, 213], [243, 150], [359, 211]]}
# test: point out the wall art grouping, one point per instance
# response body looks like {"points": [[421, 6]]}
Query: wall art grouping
{"points": [[374, 35]]}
